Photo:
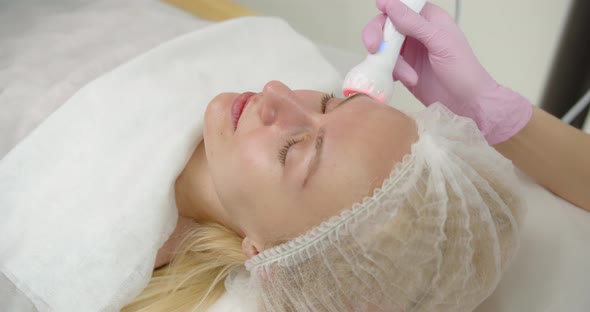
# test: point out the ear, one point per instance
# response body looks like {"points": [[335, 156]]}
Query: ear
{"points": [[249, 248]]}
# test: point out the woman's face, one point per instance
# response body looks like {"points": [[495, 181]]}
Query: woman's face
{"points": [[286, 165]]}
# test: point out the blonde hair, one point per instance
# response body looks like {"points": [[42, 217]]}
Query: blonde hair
{"points": [[194, 280]]}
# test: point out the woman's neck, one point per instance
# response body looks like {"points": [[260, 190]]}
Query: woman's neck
{"points": [[195, 193]]}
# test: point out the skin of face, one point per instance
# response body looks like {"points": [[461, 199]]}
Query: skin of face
{"points": [[359, 143]]}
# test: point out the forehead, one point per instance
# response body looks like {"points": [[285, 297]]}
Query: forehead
{"points": [[373, 134], [363, 142]]}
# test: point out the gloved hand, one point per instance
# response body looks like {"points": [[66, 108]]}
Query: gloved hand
{"points": [[438, 65]]}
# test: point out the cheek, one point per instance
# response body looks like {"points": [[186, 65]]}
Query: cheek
{"points": [[256, 160], [242, 169], [256, 183]]}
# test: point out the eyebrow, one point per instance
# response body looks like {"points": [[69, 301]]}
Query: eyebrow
{"points": [[319, 144], [348, 99], [315, 162]]}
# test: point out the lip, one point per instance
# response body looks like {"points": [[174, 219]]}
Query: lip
{"points": [[238, 107]]}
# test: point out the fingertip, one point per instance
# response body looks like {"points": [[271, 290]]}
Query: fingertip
{"points": [[407, 83], [405, 73], [412, 80], [370, 41], [372, 34]]}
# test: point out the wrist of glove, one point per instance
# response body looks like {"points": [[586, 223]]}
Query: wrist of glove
{"points": [[499, 112]]}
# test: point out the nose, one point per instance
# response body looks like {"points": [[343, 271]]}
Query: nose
{"points": [[280, 105]]}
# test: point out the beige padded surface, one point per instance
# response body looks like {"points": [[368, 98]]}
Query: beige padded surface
{"points": [[212, 10]]}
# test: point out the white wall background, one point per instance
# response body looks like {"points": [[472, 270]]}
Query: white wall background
{"points": [[514, 39]]}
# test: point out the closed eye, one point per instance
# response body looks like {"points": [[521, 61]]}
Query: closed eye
{"points": [[284, 151], [325, 100]]}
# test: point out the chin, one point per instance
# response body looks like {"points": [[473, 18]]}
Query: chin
{"points": [[218, 115]]}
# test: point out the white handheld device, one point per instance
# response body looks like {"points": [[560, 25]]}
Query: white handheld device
{"points": [[373, 76]]}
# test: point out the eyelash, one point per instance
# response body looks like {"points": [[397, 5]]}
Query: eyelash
{"points": [[283, 152], [290, 142], [325, 100]]}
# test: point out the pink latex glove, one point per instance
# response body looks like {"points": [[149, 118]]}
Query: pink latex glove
{"points": [[438, 65]]}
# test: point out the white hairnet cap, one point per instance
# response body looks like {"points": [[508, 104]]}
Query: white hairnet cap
{"points": [[435, 237]]}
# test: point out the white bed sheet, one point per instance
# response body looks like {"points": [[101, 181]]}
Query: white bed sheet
{"points": [[551, 270]]}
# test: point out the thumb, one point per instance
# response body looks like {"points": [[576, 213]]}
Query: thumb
{"points": [[373, 33], [405, 73]]}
